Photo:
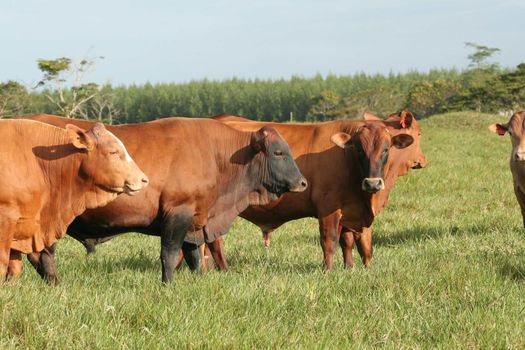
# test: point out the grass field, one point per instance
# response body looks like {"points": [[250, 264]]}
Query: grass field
{"points": [[448, 271]]}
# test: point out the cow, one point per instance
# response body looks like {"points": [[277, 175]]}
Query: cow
{"points": [[202, 173], [516, 129], [51, 175], [344, 201]]}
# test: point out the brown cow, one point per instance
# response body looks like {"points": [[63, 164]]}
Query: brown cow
{"points": [[516, 129], [50, 176], [202, 173], [341, 194]]}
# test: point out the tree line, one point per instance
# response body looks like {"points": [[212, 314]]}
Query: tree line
{"points": [[484, 87]]}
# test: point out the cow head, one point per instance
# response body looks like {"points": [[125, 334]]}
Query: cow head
{"points": [[371, 143], [280, 172], [516, 129], [107, 164], [404, 122]]}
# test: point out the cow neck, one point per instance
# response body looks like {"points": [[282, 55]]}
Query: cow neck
{"points": [[240, 182], [71, 193]]}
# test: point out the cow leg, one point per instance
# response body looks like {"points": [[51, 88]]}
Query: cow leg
{"points": [[207, 260], [89, 244], [15, 264], [44, 264], [191, 255], [364, 245], [520, 196], [267, 237], [217, 251], [6, 236], [346, 241], [329, 229], [173, 231]]}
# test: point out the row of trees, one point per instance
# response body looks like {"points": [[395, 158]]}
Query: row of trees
{"points": [[484, 86]]}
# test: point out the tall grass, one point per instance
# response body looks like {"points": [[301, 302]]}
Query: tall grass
{"points": [[448, 271]]}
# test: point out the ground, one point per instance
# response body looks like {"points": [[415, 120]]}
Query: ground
{"points": [[448, 271]]}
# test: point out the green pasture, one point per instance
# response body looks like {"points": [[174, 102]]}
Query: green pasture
{"points": [[448, 272]]}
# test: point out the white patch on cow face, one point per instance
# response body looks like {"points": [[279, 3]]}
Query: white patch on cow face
{"points": [[128, 157]]}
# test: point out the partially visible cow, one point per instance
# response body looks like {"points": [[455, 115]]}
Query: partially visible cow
{"points": [[203, 173], [516, 129], [50, 176], [347, 188]]}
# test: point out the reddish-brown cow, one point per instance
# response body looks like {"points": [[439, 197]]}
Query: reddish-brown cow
{"points": [[202, 173], [345, 192], [51, 175]]}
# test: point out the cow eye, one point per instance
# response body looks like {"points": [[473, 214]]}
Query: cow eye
{"points": [[278, 153], [113, 152]]}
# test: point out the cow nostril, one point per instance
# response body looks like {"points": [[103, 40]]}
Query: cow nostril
{"points": [[304, 183], [145, 180]]}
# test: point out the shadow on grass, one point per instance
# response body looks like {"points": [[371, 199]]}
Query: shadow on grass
{"points": [[138, 262], [513, 271], [422, 233]]}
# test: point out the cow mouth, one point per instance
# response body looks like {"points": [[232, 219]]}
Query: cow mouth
{"points": [[131, 191]]}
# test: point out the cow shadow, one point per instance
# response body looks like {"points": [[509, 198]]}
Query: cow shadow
{"points": [[423, 233], [513, 271], [55, 152], [136, 262]]}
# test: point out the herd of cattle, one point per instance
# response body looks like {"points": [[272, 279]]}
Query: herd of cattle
{"points": [[187, 179]]}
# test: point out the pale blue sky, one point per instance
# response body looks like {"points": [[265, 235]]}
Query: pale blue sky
{"points": [[176, 41]]}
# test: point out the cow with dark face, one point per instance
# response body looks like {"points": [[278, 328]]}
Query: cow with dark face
{"points": [[516, 129], [345, 186], [202, 175]]}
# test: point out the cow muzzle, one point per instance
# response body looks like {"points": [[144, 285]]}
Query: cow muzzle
{"points": [[132, 189], [373, 184], [519, 156], [301, 185]]}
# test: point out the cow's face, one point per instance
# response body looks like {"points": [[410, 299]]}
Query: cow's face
{"points": [[516, 130], [371, 144], [411, 157], [108, 164], [279, 170]]}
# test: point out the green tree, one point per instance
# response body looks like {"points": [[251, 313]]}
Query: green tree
{"points": [[59, 73], [325, 102], [14, 99]]}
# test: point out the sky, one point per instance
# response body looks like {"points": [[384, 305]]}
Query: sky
{"points": [[177, 41]]}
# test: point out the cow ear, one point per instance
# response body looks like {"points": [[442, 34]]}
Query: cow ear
{"points": [[402, 141], [406, 119], [258, 140], [341, 139], [499, 129], [79, 138], [370, 116]]}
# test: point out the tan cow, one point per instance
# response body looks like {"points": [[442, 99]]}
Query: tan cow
{"points": [[516, 129], [50, 176]]}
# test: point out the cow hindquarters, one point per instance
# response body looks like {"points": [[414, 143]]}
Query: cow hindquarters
{"points": [[173, 231]]}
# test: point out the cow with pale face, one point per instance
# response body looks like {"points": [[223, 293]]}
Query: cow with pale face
{"points": [[516, 129], [50, 176]]}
